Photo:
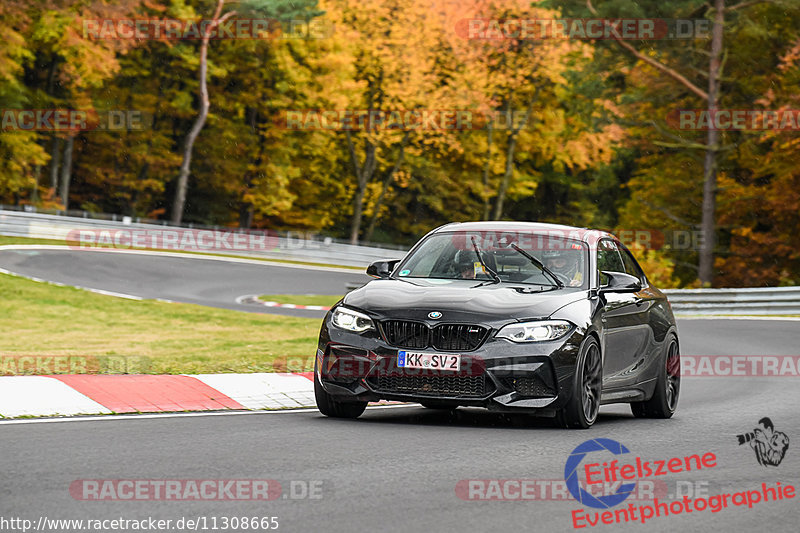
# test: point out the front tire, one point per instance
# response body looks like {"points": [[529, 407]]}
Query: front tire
{"points": [[582, 408], [668, 387], [330, 406]]}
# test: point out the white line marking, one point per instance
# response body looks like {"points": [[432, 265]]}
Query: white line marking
{"points": [[112, 293], [57, 284], [178, 415]]}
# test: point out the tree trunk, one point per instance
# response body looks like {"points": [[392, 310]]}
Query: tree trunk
{"points": [[37, 175], [501, 192], [486, 168], [246, 216], [708, 225], [385, 187], [358, 211], [247, 209], [66, 172], [510, 151], [183, 175], [363, 175], [55, 161]]}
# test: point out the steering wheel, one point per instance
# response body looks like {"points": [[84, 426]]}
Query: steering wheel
{"points": [[562, 278]]}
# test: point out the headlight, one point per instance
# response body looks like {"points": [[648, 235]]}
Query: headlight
{"points": [[540, 330], [351, 320]]}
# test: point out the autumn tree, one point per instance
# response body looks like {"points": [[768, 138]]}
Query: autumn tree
{"points": [[524, 86], [385, 50], [282, 11], [703, 82], [60, 65]]}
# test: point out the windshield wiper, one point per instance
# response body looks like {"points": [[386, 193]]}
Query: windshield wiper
{"points": [[540, 287], [539, 264], [492, 273]]}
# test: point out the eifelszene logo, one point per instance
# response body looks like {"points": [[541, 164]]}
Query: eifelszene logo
{"points": [[621, 466], [769, 445], [573, 483], [621, 473]]}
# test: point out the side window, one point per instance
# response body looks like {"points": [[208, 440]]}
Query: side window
{"points": [[608, 259], [631, 266]]}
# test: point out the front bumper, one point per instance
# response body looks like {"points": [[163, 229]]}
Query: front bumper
{"points": [[499, 375]]}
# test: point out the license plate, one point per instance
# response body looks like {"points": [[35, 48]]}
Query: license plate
{"points": [[432, 361]]}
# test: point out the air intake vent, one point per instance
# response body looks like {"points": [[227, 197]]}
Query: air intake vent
{"points": [[405, 334], [444, 337], [458, 337]]}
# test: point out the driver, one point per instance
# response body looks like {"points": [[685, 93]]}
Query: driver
{"points": [[566, 264], [465, 265]]}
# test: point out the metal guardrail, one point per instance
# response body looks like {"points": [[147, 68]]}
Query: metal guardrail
{"points": [[110, 217], [750, 301], [290, 246]]}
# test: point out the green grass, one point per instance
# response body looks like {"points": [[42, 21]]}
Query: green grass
{"points": [[325, 300], [153, 337], [4, 239]]}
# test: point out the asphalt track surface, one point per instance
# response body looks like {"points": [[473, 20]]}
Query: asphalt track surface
{"points": [[396, 469], [184, 279]]}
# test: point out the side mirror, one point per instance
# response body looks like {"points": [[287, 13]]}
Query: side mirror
{"points": [[382, 269], [620, 282]]}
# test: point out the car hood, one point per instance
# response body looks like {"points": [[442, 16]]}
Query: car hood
{"points": [[457, 300]]}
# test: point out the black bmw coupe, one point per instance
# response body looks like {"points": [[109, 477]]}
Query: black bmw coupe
{"points": [[510, 316]]}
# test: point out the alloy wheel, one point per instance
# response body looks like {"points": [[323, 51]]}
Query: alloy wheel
{"points": [[591, 383], [673, 375]]}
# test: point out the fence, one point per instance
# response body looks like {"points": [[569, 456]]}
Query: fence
{"points": [[756, 301], [290, 246]]}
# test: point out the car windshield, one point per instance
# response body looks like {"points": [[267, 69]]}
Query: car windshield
{"points": [[452, 255]]}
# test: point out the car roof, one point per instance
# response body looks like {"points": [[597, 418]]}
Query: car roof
{"points": [[586, 235]]}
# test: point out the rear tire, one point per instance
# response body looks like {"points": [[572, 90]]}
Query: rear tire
{"points": [[668, 387], [329, 406], [582, 408]]}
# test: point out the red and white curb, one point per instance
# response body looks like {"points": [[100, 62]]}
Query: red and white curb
{"points": [[86, 394], [253, 299]]}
